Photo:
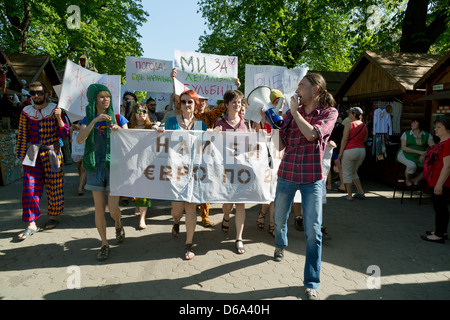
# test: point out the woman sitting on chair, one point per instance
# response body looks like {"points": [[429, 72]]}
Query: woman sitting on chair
{"points": [[414, 144]]}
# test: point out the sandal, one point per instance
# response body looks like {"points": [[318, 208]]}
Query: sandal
{"points": [[51, 224], [261, 217], [27, 233], [120, 233], [272, 231], [240, 249], [188, 252], [225, 228], [176, 230], [431, 233], [207, 223], [103, 254]]}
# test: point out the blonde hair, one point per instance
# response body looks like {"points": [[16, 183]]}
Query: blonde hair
{"points": [[103, 94]]}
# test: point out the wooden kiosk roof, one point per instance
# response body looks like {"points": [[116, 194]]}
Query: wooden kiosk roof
{"points": [[382, 74], [31, 67], [439, 72]]}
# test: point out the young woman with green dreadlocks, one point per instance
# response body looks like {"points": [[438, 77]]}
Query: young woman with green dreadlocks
{"points": [[95, 131]]}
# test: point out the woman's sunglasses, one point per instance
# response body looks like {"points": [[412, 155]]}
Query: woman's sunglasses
{"points": [[138, 111]]}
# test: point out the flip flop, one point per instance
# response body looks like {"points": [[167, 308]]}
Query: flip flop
{"points": [[27, 233], [345, 198], [359, 196], [51, 224]]}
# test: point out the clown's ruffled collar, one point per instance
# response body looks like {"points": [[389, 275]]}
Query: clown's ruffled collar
{"points": [[39, 114]]}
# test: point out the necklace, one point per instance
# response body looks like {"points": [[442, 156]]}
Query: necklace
{"points": [[189, 125]]}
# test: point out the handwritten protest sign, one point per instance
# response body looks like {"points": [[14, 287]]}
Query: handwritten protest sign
{"points": [[76, 81], [192, 166], [252, 70], [145, 74], [284, 80], [207, 74], [275, 77], [162, 99]]}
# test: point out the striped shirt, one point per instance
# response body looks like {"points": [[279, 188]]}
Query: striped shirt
{"points": [[302, 159]]}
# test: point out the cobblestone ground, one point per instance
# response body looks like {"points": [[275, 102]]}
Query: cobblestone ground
{"points": [[374, 253]]}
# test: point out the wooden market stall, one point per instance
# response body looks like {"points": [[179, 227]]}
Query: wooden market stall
{"points": [[436, 83], [10, 93], [382, 84]]}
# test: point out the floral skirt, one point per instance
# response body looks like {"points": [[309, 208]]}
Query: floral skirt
{"points": [[142, 202]]}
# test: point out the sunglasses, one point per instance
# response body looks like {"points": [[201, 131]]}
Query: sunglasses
{"points": [[187, 101], [37, 92], [138, 111]]}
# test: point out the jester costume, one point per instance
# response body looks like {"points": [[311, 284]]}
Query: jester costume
{"points": [[39, 148]]}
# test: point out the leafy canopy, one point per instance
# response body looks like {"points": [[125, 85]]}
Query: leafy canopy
{"points": [[106, 32]]}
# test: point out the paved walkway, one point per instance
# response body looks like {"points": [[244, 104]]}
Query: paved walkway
{"points": [[376, 236]]}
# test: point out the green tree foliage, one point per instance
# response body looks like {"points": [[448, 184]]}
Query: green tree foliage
{"points": [[320, 34], [106, 31]]}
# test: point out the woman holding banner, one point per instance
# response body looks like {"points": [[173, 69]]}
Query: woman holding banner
{"points": [[141, 120], [209, 118], [232, 100], [95, 130], [186, 121]]}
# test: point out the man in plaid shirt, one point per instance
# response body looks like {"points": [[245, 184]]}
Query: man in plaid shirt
{"points": [[303, 139]]}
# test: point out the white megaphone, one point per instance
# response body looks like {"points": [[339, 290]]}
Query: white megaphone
{"points": [[259, 99]]}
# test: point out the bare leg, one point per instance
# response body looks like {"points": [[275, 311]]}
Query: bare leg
{"points": [[177, 212], [143, 212], [240, 220], [114, 210], [191, 221], [348, 186], [359, 187], [226, 208], [100, 220], [408, 181]]}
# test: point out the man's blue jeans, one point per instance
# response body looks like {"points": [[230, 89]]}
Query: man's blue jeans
{"points": [[312, 221]]}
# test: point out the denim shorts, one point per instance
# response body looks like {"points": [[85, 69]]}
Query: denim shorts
{"points": [[97, 180]]}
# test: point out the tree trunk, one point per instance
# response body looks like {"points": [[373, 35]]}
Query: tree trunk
{"points": [[24, 26], [417, 37]]}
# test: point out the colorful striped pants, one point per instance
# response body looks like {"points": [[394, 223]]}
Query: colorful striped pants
{"points": [[34, 180]]}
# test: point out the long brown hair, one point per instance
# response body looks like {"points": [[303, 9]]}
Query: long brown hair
{"points": [[133, 123], [325, 98]]}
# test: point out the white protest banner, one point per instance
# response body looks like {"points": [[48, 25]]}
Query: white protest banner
{"points": [[207, 74], [145, 74], [76, 81], [192, 166]]}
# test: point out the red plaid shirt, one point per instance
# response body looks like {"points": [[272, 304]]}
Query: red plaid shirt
{"points": [[302, 159]]}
